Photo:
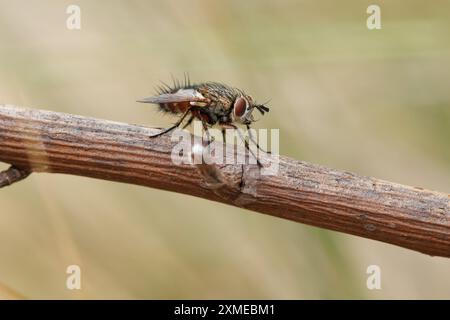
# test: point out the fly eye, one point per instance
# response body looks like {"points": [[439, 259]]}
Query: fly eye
{"points": [[240, 106]]}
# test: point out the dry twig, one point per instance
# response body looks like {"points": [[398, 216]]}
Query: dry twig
{"points": [[12, 175], [44, 141]]}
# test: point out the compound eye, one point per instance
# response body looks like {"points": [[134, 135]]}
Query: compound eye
{"points": [[239, 107]]}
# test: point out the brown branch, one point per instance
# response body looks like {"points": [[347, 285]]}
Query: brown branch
{"points": [[12, 175], [46, 141]]}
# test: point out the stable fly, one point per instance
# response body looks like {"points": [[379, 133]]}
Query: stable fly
{"points": [[212, 103]]}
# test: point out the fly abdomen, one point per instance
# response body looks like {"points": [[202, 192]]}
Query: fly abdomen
{"points": [[175, 107]]}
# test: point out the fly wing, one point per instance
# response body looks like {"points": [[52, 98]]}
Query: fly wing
{"points": [[182, 95]]}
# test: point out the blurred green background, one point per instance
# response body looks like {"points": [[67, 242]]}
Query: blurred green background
{"points": [[372, 102]]}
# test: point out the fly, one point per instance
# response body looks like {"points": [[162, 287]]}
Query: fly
{"points": [[212, 103]]}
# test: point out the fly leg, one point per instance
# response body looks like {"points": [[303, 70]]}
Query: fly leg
{"points": [[224, 135], [247, 146], [188, 122], [176, 125], [252, 139], [211, 119], [208, 136]]}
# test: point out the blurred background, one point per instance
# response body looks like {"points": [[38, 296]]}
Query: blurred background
{"points": [[373, 102]]}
